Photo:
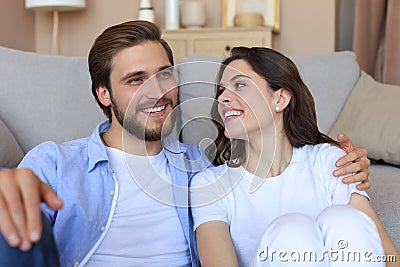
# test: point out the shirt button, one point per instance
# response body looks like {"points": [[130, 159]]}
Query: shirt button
{"points": [[112, 192], [76, 263], [103, 172], [102, 229]]}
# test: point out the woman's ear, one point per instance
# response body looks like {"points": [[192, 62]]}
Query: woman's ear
{"points": [[103, 95], [283, 99]]}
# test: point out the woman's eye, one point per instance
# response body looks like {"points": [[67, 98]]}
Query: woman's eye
{"points": [[239, 84]]}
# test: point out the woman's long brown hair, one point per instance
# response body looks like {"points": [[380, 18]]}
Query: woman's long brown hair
{"points": [[299, 117]]}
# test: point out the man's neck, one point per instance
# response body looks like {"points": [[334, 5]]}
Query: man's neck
{"points": [[119, 138]]}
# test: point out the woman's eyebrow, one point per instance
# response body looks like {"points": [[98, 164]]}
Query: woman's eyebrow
{"points": [[239, 76]]}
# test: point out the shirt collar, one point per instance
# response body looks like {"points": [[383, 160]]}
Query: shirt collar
{"points": [[96, 150], [173, 147]]}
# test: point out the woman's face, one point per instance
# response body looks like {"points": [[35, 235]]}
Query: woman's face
{"points": [[244, 104]]}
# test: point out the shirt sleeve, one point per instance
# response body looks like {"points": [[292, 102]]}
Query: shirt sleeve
{"points": [[340, 193], [42, 161], [208, 197]]}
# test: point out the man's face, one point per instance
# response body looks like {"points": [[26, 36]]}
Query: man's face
{"points": [[144, 91]]}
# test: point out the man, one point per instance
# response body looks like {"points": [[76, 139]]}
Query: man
{"points": [[107, 217]]}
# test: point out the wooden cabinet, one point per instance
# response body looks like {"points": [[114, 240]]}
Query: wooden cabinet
{"points": [[215, 41]]}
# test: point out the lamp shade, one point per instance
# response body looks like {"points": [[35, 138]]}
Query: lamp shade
{"points": [[62, 5]]}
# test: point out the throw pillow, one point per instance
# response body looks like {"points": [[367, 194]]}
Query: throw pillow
{"points": [[370, 118], [10, 152]]}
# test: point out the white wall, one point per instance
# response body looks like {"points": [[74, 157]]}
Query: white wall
{"points": [[16, 25], [307, 26]]}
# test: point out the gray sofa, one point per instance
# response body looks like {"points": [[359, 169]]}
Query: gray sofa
{"points": [[48, 98]]}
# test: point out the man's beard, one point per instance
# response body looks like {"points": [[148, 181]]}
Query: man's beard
{"points": [[138, 129]]}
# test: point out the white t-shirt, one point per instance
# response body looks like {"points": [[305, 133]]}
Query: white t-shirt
{"points": [[144, 231], [306, 186]]}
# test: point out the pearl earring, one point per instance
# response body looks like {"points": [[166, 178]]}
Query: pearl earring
{"points": [[277, 108]]}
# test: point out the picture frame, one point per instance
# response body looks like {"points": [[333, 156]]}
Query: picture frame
{"points": [[271, 13]]}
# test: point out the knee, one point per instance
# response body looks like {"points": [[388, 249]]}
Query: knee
{"points": [[346, 227], [294, 228], [293, 224], [344, 218], [43, 253]]}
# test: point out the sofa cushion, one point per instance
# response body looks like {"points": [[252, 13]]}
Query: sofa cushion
{"points": [[385, 198], [197, 76], [45, 97], [10, 152], [330, 78], [370, 118]]}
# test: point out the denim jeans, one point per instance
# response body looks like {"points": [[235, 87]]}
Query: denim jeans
{"points": [[42, 253]]}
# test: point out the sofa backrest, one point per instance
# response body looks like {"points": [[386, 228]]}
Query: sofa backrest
{"points": [[45, 97]]}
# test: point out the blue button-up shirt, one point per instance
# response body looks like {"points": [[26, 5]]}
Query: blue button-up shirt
{"points": [[80, 174]]}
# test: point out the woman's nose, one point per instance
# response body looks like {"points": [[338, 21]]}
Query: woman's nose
{"points": [[225, 96]]}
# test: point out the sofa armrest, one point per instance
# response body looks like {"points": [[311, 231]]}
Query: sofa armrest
{"points": [[10, 151]]}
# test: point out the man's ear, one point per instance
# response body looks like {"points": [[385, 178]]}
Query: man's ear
{"points": [[283, 99], [103, 95]]}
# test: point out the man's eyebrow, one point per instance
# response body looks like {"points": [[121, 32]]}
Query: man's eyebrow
{"points": [[141, 72], [165, 67], [132, 74]]}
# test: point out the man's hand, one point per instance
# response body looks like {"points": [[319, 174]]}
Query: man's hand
{"points": [[359, 164], [21, 193]]}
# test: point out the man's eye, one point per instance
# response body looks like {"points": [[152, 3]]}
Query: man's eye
{"points": [[164, 74], [135, 80]]}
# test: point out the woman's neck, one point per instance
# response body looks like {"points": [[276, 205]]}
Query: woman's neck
{"points": [[268, 157]]}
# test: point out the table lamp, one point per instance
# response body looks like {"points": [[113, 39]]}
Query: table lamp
{"points": [[55, 6]]}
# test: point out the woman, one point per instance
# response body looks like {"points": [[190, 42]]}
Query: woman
{"points": [[273, 200]]}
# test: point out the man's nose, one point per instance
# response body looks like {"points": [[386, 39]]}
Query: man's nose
{"points": [[154, 88]]}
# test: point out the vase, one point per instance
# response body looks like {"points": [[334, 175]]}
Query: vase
{"points": [[193, 14], [248, 19], [146, 11], [172, 14]]}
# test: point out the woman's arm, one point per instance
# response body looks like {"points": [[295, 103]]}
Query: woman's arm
{"points": [[215, 245], [362, 203]]}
